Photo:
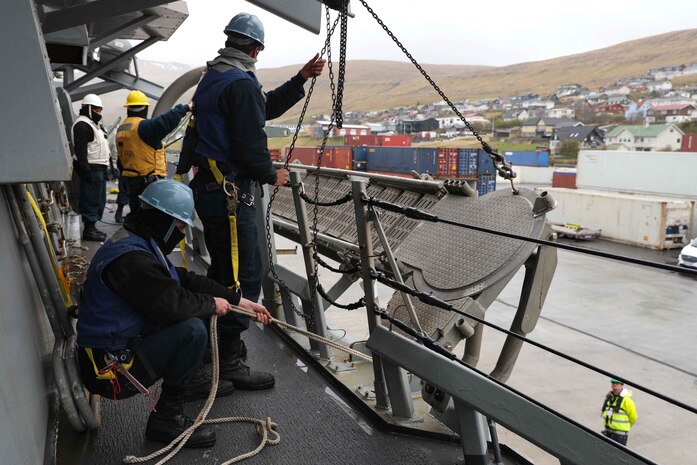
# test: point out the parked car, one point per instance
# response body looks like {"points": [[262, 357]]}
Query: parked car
{"points": [[688, 255]]}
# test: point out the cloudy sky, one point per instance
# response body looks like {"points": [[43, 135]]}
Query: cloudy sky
{"points": [[495, 33]]}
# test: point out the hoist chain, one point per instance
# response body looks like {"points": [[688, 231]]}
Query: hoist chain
{"points": [[352, 270], [360, 303], [309, 319], [338, 112], [333, 203], [502, 166]]}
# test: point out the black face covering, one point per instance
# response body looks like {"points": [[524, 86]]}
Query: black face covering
{"points": [[96, 117], [159, 226], [174, 239]]}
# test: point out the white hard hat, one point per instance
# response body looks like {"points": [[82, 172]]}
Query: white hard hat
{"points": [[92, 99]]}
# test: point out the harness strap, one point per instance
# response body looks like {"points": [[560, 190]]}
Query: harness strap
{"points": [[232, 200]]}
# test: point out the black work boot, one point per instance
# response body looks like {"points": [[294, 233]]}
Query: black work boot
{"points": [[91, 233], [232, 354], [200, 386], [168, 421], [118, 216]]}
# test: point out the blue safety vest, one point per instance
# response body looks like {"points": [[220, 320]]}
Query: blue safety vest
{"points": [[106, 321], [214, 138]]}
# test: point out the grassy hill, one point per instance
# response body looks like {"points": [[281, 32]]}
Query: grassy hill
{"points": [[375, 85]]}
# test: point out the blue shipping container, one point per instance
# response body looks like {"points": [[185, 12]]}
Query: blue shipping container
{"points": [[360, 158], [518, 158], [468, 161], [428, 161], [486, 164], [486, 184], [392, 159]]}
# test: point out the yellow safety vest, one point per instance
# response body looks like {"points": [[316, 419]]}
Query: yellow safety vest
{"points": [[615, 416], [137, 157]]}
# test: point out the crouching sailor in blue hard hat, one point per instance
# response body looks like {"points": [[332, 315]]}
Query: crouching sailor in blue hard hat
{"points": [[619, 412], [141, 318]]}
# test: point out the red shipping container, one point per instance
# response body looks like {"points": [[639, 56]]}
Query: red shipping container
{"points": [[304, 156], [361, 140], [340, 158], [689, 143], [567, 180], [447, 162], [395, 141]]}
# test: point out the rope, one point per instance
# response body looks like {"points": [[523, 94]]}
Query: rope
{"points": [[267, 429], [308, 334]]}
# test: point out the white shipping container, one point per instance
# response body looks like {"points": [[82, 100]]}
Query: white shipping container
{"points": [[647, 221], [656, 173], [530, 175]]}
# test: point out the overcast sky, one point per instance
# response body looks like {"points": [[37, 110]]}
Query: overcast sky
{"points": [[495, 33]]}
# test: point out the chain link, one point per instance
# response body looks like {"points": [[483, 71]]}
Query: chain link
{"points": [[502, 166], [309, 319]]}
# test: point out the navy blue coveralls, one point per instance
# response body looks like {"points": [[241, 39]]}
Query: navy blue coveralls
{"points": [[137, 304], [231, 111]]}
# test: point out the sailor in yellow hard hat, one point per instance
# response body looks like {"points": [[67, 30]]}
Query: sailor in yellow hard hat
{"points": [[139, 145]]}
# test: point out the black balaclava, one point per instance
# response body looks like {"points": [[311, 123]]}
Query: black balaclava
{"points": [[88, 111], [155, 224]]}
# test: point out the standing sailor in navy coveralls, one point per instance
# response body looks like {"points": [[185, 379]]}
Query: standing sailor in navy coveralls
{"points": [[231, 155], [140, 317]]}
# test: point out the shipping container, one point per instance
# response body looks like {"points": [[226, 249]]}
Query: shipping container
{"points": [[360, 158], [564, 177], [428, 160], [395, 141], [522, 158], [467, 163], [303, 155], [689, 143], [334, 157], [647, 221], [447, 162], [486, 183], [361, 140], [275, 154], [661, 173], [392, 159], [485, 164]]}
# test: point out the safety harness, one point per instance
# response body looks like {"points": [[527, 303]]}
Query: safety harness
{"points": [[232, 200]]}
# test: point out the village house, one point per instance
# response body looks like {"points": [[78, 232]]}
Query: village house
{"points": [[645, 138], [588, 137], [671, 113]]}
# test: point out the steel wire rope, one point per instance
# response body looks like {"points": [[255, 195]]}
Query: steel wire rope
{"points": [[504, 168], [309, 319], [417, 214], [435, 347], [438, 303]]}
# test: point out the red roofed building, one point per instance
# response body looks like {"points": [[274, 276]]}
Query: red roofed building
{"points": [[671, 113]]}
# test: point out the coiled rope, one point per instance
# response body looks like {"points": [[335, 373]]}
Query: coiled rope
{"points": [[267, 429]]}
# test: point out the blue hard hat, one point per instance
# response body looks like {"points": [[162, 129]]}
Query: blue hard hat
{"points": [[247, 25], [171, 197]]}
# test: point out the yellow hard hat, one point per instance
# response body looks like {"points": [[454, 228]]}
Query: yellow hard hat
{"points": [[136, 99]]}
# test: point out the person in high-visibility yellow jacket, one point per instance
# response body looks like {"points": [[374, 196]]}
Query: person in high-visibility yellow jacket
{"points": [[619, 412]]}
